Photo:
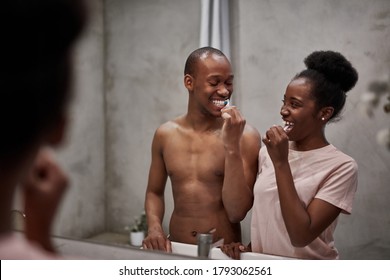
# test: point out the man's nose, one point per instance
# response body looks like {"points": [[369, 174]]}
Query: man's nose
{"points": [[223, 90]]}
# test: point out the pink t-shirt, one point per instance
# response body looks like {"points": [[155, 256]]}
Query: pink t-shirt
{"points": [[324, 173], [15, 247]]}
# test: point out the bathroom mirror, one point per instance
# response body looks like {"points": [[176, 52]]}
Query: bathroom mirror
{"points": [[129, 72]]}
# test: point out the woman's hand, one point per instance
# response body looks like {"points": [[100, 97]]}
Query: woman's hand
{"points": [[234, 250], [44, 188], [276, 141]]}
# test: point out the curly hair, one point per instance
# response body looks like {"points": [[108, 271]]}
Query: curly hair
{"points": [[35, 70], [331, 76]]}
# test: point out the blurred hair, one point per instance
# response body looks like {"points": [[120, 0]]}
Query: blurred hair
{"points": [[36, 67]]}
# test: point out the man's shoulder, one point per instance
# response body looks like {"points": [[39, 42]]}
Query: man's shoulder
{"points": [[170, 126], [251, 131], [251, 140]]}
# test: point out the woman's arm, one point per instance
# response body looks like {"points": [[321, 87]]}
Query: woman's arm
{"points": [[303, 224]]}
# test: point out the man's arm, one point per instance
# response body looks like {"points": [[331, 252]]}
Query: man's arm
{"points": [[154, 199], [241, 164]]}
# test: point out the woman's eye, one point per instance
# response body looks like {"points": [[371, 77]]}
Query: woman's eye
{"points": [[290, 104]]}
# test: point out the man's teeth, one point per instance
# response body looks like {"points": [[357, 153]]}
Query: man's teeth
{"points": [[220, 103]]}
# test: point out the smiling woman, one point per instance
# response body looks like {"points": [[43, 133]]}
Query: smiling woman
{"points": [[304, 182]]}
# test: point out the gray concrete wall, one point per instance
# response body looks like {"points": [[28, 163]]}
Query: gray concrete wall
{"points": [[147, 43], [83, 154], [271, 39], [130, 81]]}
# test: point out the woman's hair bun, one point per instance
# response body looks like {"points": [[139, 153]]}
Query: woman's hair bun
{"points": [[334, 66]]}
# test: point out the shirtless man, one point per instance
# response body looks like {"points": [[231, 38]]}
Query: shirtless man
{"points": [[209, 154]]}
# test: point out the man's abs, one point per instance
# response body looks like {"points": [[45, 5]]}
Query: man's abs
{"points": [[184, 229]]}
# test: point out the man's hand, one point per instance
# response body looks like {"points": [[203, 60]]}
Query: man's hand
{"points": [[233, 127], [156, 240]]}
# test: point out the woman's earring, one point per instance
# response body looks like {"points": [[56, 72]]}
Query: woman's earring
{"points": [[323, 118]]}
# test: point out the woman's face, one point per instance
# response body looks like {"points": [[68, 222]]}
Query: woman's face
{"points": [[300, 113]]}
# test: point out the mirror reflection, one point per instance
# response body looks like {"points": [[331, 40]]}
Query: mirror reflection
{"points": [[129, 80]]}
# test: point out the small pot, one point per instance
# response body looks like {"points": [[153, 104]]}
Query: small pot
{"points": [[136, 238]]}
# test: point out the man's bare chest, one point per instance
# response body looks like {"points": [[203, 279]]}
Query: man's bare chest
{"points": [[202, 156]]}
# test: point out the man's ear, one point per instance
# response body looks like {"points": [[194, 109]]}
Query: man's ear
{"points": [[57, 131], [326, 113], [188, 82]]}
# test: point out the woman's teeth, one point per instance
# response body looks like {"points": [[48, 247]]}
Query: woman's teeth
{"points": [[288, 126]]}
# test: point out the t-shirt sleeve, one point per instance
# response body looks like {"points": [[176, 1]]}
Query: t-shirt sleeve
{"points": [[340, 186]]}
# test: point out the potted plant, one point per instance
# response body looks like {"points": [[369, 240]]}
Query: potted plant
{"points": [[371, 100], [138, 230]]}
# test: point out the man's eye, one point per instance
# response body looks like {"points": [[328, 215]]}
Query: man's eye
{"points": [[213, 84]]}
